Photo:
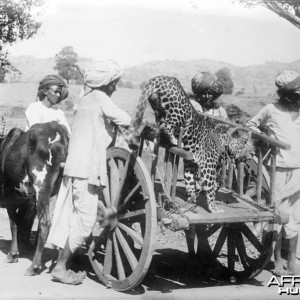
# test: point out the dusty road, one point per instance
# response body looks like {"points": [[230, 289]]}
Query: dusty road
{"points": [[169, 277]]}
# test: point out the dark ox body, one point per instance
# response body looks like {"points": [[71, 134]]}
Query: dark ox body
{"points": [[31, 174]]}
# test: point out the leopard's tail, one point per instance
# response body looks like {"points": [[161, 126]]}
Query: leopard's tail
{"points": [[141, 107]]}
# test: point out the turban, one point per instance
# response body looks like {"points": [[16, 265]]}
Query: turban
{"points": [[288, 82], [102, 73], [206, 82], [50, 80]]}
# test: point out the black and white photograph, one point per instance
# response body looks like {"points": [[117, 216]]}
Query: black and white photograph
{"points": [[149, 149]]}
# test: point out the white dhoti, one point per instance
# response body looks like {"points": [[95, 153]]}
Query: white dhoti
{"points": [[287, 183], [75, 213]]}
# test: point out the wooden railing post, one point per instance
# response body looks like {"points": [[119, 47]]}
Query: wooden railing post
{"points": [[230, 174], [155, 158], [176, 164], [241, 179], [259, 175], [141, 147], [272, 175]]}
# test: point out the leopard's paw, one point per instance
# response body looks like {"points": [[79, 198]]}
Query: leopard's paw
{"points": [[213, 208], [192, 199]]}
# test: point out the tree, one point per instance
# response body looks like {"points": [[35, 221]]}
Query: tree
{"points": [[224, 76], [128, 84], [120, 83], [287, 9], [65, 61], [17, 22], [142, 84]]}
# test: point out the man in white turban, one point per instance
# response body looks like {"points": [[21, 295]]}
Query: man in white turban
{"points": [[282, 121], [102, 73], [85, 170]]}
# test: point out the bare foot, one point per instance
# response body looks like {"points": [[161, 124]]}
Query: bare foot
{"points": [[280, 268], [293, 270], [68, 276]]}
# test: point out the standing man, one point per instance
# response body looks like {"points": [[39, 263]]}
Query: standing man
{"points": [[51, 91], [85, 170], [207, 89], [283, 122]]}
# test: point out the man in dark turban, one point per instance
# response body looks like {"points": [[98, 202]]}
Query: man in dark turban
{"points": [[53, 80], [51, 91], [207, 88]]}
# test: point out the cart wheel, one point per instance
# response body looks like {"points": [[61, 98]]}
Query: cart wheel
{"points": [[234, 252], [124, 238]]}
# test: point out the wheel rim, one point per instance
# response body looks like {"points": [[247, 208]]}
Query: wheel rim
{"points": [[234, 252], [124, 238]]}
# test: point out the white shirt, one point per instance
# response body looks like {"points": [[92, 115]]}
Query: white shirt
{"points": [[282, 127], [216, 112], [91, 135], [37, 112]]}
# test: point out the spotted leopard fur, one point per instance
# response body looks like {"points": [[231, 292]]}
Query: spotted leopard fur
{"points": [[210, 144]]}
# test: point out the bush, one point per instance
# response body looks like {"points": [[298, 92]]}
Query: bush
{"points": [[224, 76]]}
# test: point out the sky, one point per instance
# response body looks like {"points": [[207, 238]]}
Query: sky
{"points": [[133, 32]]}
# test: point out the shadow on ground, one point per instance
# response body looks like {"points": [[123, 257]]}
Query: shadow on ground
{"points": [[170, 270]]}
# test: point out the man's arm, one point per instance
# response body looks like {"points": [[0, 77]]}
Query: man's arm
{"points": [[259, 120], [114, 113]]}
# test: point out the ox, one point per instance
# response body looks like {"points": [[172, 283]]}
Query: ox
{"points": [[31, 173]]}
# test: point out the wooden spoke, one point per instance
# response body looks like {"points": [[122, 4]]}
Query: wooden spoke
{"points": [[121, 272], [108, 257], [120, 164], [121, 184], [106, 195], [240, 246], [212, 230], [132, 214], [220, 242], [114, 179], [231, 250], [134, 235], [127, 250], [252, 238], [128, 197], [101, 239]]}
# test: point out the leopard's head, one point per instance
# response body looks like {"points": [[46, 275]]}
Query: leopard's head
{"points": [[240, 144]]}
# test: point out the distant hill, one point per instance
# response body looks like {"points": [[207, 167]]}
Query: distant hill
{"points": [[253, 80]]}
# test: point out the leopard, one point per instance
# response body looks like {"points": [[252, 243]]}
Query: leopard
{"points": [[211, 144]]}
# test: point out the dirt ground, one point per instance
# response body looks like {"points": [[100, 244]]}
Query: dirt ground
{"points": [[170, 276]]}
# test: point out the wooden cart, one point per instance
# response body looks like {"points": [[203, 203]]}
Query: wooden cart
{"points": [[234, 245]]}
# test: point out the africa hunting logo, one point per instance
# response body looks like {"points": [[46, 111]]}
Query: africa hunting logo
{"points": [[287, 285]]}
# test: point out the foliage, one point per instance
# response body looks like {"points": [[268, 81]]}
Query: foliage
{"points": [[2, 74], [17, 22], [65, 61], [120, 83], [142, 84], [287, 9], [128, 84], [17, 19], [224, 76]]}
